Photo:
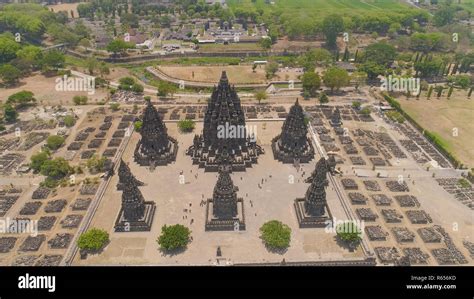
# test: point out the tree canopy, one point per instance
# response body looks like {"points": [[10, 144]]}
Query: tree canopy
{"points": [[174, 237], [332, 26], [380, 53], [93, 240], [275, 234], [119, 46], [335, 78], [311, 83]]}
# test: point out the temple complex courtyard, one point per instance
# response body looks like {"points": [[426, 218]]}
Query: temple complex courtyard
{"points": [[274, 200], [406, 196]]}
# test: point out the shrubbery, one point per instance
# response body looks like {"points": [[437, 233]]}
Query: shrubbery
{"points": [[54, 142], [93, 240], [275, 234], [174, 237], [186, 125]]}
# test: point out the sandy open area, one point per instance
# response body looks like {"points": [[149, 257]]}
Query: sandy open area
{"points": [[238, 74]]}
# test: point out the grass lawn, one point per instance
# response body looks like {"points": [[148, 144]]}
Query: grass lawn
{"points": [[444, 117], [318, 8], [235, 73]]}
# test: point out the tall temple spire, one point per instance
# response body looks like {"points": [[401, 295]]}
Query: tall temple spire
{"points": [[136, 214], [224, 196], [312, 210], [125, 175], [224, 112], [293, 144], [315, 199], [155, 146], [133, 203], [225, 211]]}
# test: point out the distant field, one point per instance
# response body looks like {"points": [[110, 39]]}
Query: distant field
{"points": [[238, 74], [318, 7], [441, 116], [230, 48], [468, 5], [67, 7], [235, 73]]}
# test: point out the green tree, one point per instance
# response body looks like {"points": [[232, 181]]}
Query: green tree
{"points": [[174, 237], [380, 53], [444, 15], [349, 232], [138, 125], [186, 125], [313, 57], [104, 69], [323, 98], [96, 164], [54, 142], [166, 88], [118, 46], [356, 105], [372, 69], [311, 82], [427, 69], [138, 88], [463, 81], [336, 78], [32, 54], [260, 96], [266, 43], [52, 60], [9, 74], [331, 27], [9, 113], [69, 121], [365, 111], [275, 234], [126, 82], [21, 99], [271, 68], [114, 106], [80, 100], [56, 168], [360, 79], [37, 160], [8, 47], [92, 64], [93, 240], [429, 42]]}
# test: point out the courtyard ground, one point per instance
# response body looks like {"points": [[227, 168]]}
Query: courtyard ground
{"points": [[273, 201]]}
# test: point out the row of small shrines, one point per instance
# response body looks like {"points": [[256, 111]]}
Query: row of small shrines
{"points": [[225, 211]]}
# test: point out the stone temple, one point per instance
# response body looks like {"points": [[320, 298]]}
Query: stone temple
{"points": [[293, 145], [312, 210], [224, 211], [155, 147], [136, 214], [224, 130], [125, 175]]}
